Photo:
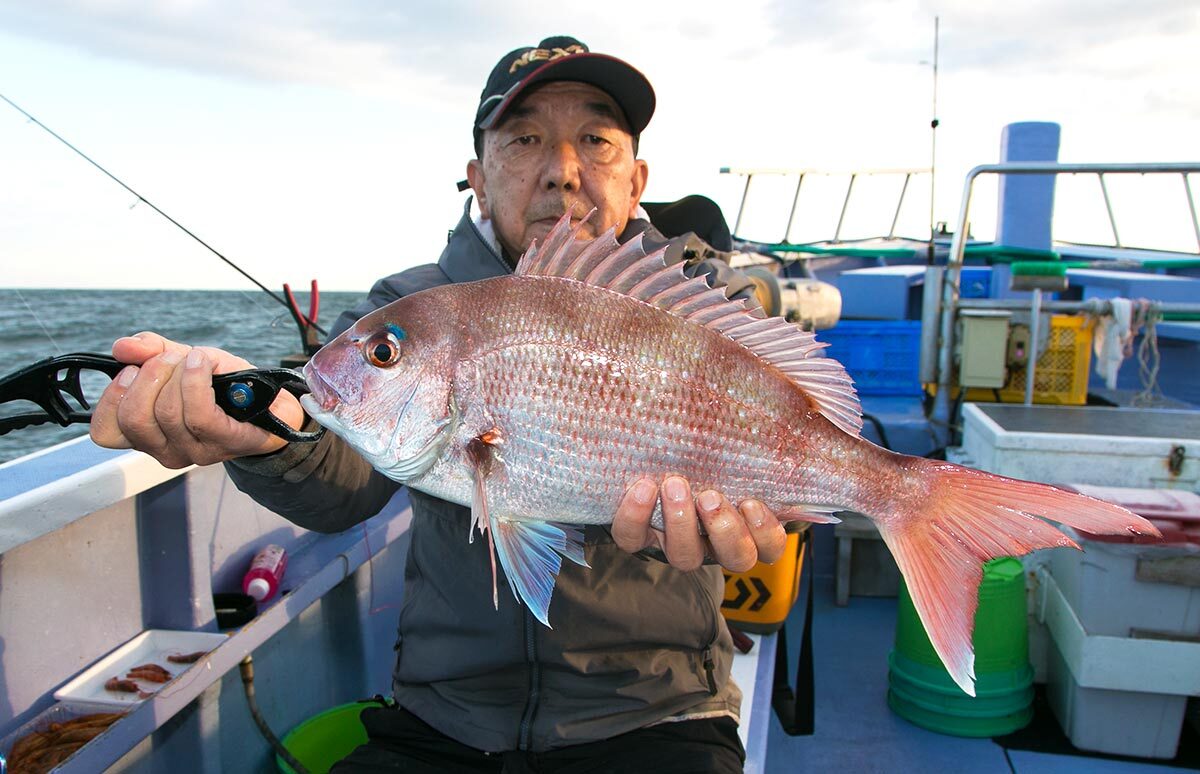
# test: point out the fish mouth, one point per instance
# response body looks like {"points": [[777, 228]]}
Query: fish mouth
{"points": [[323, 393]]}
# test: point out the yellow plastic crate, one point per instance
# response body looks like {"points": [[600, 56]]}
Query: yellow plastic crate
{"points": [[760, 599], [1061, 375]]}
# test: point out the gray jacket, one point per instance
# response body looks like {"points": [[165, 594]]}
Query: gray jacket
{"points": [[635, 641]]}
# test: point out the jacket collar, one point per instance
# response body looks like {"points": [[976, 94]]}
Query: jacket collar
{"points": [[470, 255]]}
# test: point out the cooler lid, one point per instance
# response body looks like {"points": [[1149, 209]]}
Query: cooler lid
{"points": [[1176, 512]]}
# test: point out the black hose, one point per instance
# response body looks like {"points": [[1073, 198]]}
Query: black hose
{"points": [[883, 439], [247, 670]]}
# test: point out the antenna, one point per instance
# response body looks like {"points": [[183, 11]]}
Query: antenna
{"points": [[933, 125]]}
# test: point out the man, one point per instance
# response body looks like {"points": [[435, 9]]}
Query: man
{"points": [[635, 673]]}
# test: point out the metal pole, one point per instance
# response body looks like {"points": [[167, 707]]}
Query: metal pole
{"points": [[845, 204], [1032, 354], [1108, 206], [941, 401], [1192, 208], [899, 204], [737, 226], [933, 125], [1095, 306], [787, 232]]}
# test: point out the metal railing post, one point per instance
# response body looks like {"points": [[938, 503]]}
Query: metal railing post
{"points": [[1112, 221], [1187, 187], [837, 234], [787, 232], [737, 226], [899, 204]]}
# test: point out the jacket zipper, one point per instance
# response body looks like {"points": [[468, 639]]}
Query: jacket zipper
{"points": [[524, 742], [710, 666], [709, 669]]}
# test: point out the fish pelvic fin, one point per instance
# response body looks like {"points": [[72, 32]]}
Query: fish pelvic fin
{"points": [[942, 534], [629, 270], [529, 551], [531, 554]]}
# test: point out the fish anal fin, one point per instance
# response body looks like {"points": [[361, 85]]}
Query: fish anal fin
{"points": [[813, 514]]}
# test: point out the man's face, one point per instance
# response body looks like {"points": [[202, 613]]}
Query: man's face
{"points": [[563, 147]]}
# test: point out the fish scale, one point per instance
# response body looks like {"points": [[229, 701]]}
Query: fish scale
{"points": [[538, 398]]}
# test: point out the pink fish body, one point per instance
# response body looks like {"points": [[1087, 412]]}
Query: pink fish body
{"points": [[538, 398]]}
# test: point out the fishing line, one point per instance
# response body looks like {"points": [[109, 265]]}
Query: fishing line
{"points": [[38, 320], [141, 198]]}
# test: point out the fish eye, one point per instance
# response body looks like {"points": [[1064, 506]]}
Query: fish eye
{"points": [[382, 350]]}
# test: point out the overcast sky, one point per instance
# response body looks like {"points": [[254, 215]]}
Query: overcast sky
{"points": [[308, 139]]}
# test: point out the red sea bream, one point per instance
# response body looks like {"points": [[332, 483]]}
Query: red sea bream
{"points": [[538, 398]]}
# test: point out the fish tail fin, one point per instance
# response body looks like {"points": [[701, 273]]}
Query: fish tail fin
{"points": [[942, 534]]}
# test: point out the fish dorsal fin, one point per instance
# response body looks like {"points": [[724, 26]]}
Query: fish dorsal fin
{"points": [[629, 270]]}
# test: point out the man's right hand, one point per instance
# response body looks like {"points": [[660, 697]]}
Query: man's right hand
{"points": [[163, 404]]}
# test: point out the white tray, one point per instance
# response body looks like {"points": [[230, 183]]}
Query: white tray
{"points": [[87, 690]]}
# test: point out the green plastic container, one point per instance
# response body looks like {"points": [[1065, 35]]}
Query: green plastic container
{"points": [[919, 687], [325, 739]]}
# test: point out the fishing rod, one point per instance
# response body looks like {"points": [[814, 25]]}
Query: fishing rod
{"points": [[180, 226]]}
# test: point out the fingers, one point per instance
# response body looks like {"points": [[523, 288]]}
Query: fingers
{"points": [[738, 538], [140, 347], [733, 547], [139, 414], [631, 526], [765, 529], [682, 542], [217, 436], [104, 428], [164, 405]]}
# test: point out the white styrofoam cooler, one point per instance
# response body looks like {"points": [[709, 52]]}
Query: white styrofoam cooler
{"points": [[1101, 585], [1084, 444], [1117, 695]]}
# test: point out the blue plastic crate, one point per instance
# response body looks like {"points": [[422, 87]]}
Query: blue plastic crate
{"points": [[880, 355]]}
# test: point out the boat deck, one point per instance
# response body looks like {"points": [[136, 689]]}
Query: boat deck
{"points": [[857, 732]]}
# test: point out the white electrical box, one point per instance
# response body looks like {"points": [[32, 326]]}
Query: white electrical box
{"points": [[983, 352]]}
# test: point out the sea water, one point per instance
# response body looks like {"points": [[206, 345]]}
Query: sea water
{"points": [[41, 323]]}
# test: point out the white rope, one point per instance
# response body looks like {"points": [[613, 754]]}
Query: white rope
{"points": [[1148, 357]]}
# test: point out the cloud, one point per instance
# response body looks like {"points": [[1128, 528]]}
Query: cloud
{"points": [[357, 45], [1025, 37]]}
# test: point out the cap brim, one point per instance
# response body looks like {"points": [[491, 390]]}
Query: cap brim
{"points": [[624, 83]]}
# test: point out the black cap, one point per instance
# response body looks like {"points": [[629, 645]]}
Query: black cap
{"points": [[563, 58]]}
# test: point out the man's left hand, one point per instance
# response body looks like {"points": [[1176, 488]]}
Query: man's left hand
{"points": [[737, 538]]}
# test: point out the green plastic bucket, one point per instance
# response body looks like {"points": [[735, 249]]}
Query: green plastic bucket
{"points": [[919, 687], [325, 739]]}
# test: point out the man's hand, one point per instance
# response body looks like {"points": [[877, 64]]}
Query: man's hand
{"points": [[735, 538], [163, 403]]}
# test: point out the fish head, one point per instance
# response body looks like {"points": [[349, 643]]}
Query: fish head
{"points": [[384, 387]]}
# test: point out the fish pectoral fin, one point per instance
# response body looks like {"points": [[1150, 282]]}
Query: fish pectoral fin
{"points": [[531, 554], [481, 453], [813, 514]]}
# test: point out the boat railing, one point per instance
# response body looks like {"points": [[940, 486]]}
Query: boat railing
{"points": [[1183, 169], [939, 369], [801, 173]]}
